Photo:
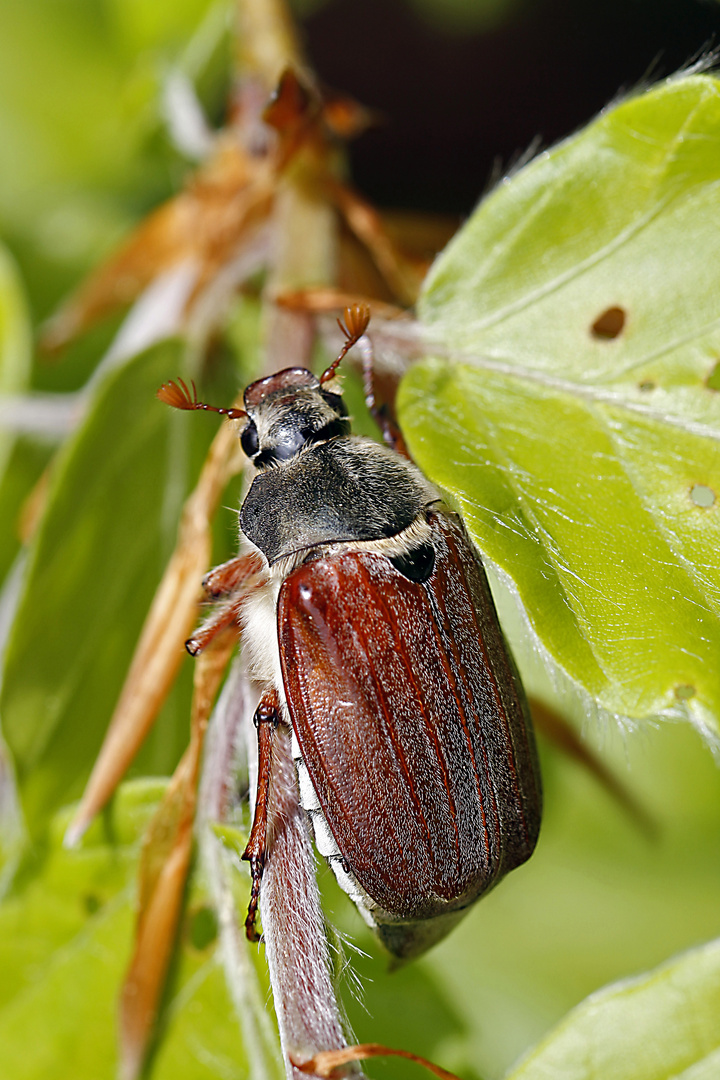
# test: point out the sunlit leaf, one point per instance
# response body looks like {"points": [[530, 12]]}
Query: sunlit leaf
{"points": [[659, 1025], [580, 312]]}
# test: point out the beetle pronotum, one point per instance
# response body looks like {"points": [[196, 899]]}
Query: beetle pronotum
{"points": [[371, 630]]}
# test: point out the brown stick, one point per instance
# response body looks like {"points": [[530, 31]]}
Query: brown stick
{"points": [[325, 1063]]}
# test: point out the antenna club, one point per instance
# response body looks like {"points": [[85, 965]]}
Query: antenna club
{"points": [[357, 317], [176, 394]]}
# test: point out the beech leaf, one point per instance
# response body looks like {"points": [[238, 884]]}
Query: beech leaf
{"points": [[569, 398], [660, 1025]]}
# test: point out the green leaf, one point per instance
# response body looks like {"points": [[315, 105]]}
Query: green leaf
{"points": [[53, 903], [15, 334], [588, 465], [25, 465], [108, 530], [65, 941], [15, 356], [658, 1026], [84, 123], [85, 146], [233, 838]]}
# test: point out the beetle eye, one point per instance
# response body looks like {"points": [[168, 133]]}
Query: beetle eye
{"points": [[249, 440]]}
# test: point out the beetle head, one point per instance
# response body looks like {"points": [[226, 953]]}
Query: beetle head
{"points": [[287, 412]]}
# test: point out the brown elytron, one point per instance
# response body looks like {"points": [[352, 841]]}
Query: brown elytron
{"points": [[411, 722]]}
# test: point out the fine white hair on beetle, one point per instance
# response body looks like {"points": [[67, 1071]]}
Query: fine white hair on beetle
{"points": [[296, 946], [296, 942]]}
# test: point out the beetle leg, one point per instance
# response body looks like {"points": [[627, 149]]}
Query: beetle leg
{"points": [[232, 579], [221, 618], [266, 720], [390, 431], [230, 575]]}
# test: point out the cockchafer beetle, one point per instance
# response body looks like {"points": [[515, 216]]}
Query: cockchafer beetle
{"points": [[370, 627]]}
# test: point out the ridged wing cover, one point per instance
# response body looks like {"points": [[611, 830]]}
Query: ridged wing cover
{"points": [[412, 723]]}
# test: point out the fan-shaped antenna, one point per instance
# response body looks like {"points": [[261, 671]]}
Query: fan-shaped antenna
{"points": [[177, 394], [356, 322]]}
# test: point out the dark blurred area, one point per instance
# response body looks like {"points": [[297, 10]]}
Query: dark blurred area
{"points": [[461, 105]]}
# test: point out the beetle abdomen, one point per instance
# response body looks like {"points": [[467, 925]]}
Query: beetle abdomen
{"points": [[411, 723]]}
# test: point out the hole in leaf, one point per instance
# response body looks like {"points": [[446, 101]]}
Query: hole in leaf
{"points": [[713, 380], [684, 692], [646, 386], [702, 495], [202, 928], [609, 324]]}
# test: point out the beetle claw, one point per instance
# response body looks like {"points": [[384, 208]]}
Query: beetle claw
{"points": [[256, 869]]}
